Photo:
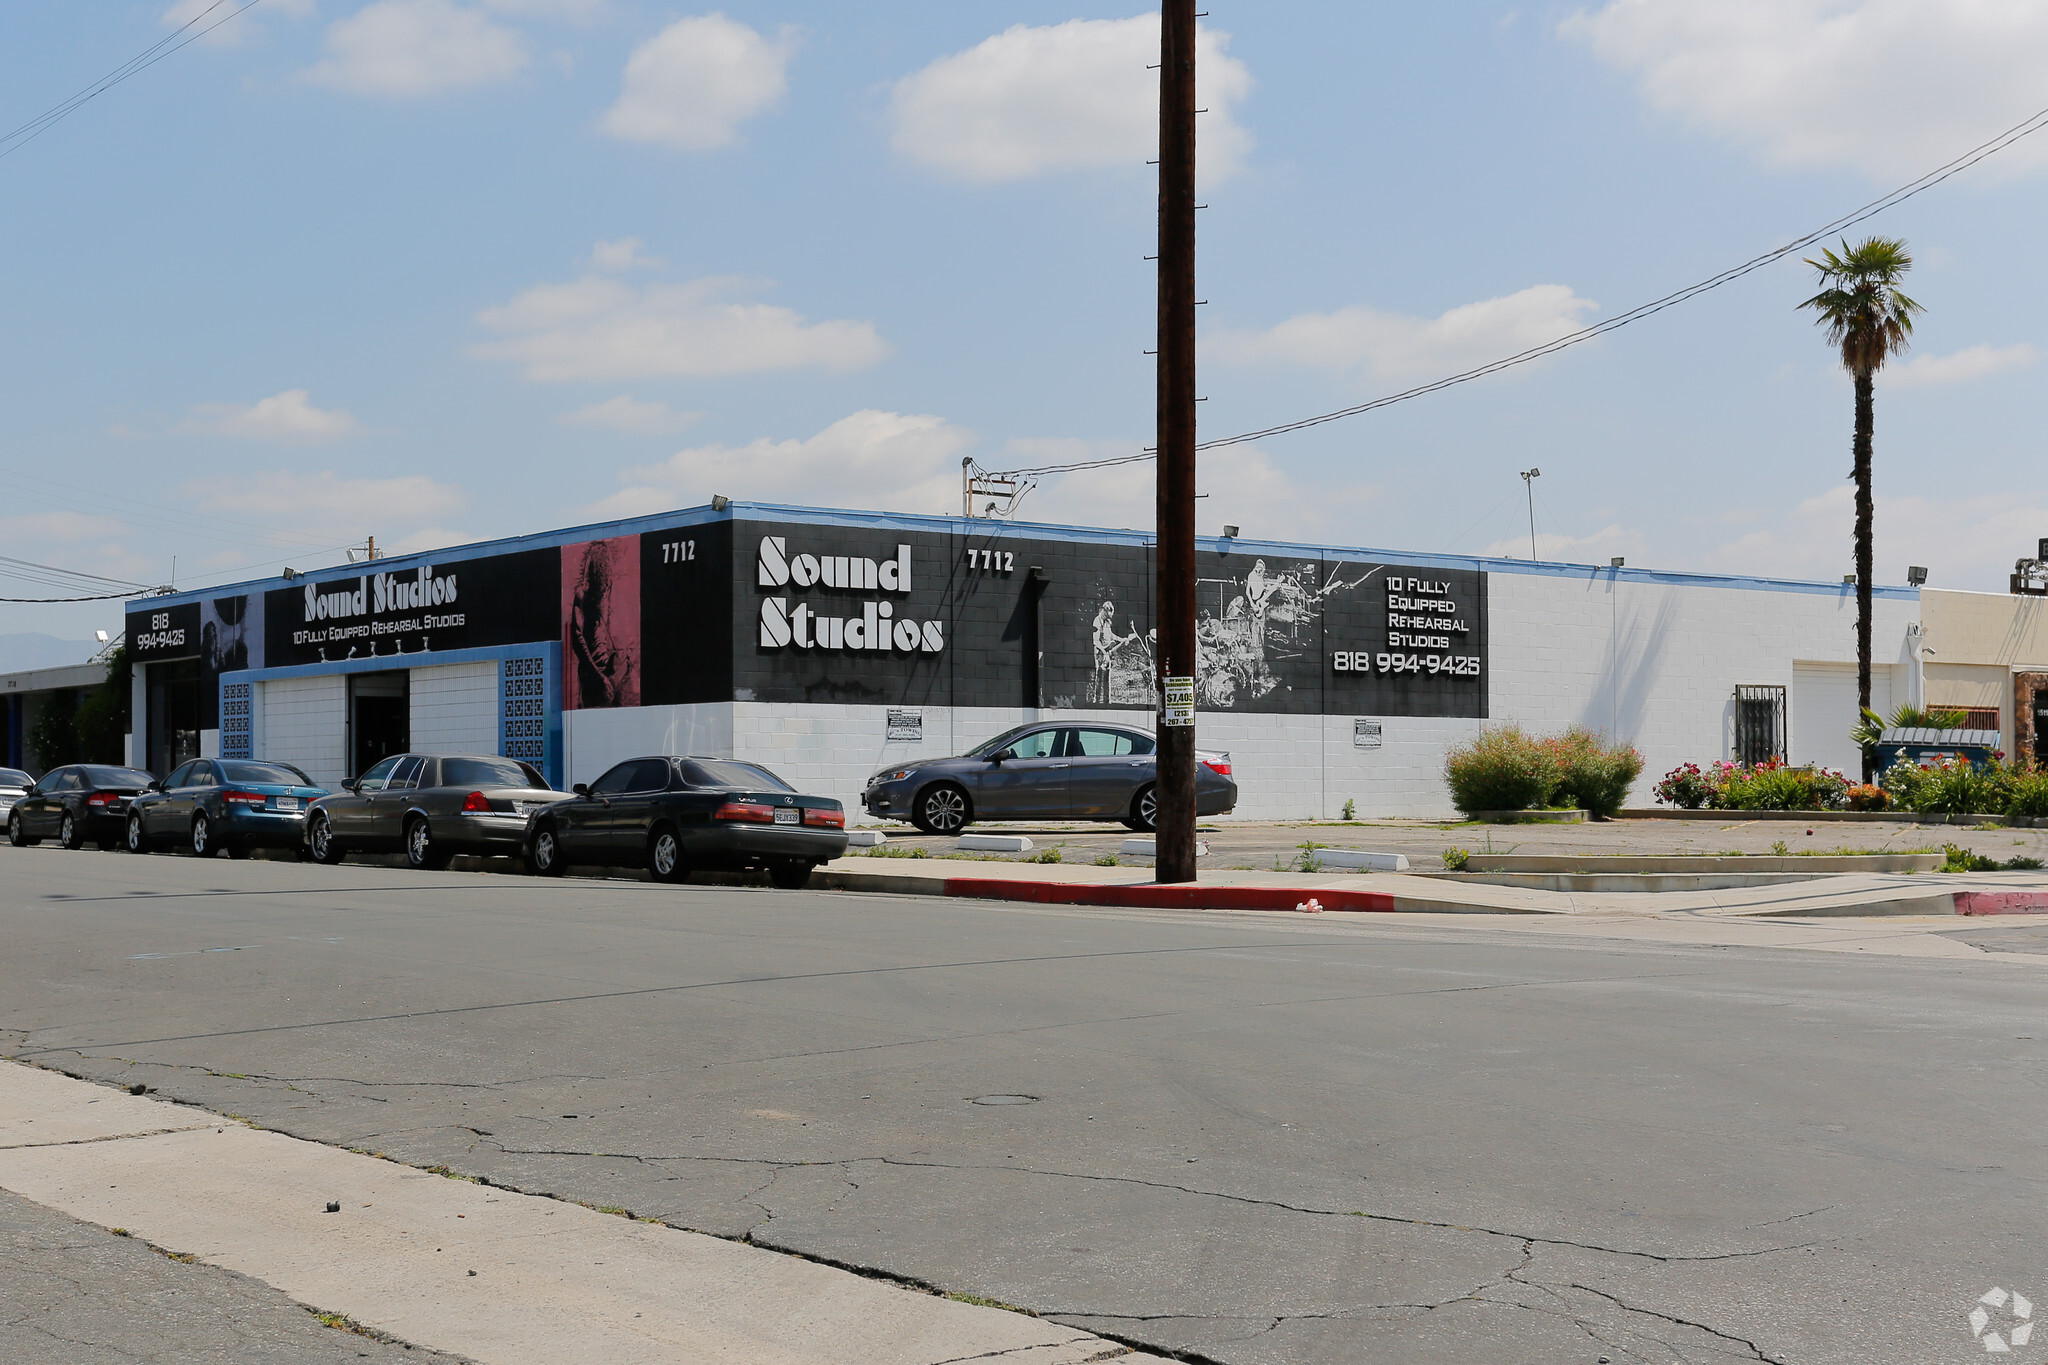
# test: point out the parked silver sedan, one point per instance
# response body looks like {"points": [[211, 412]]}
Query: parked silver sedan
{"points": [[430, 807], [1073, 770], [14, 784]]}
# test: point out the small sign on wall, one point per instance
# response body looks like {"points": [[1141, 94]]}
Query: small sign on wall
{"points": [[1366, 734], [906, 725]]}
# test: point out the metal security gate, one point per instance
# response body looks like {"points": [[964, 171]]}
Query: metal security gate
{"points": [[1759, 723]]}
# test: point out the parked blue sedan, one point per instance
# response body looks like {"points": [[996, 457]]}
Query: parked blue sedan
{"points": [[236, 804]]}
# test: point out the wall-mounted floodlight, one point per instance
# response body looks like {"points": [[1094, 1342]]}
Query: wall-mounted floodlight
{"points": [[1616, 562], [1849, 579], [1230, 533], [719, 502], [1916, 575], [100, 635], [290, 574]]}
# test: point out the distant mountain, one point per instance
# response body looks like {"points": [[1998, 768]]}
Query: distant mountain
{"points": [[31, 650]]}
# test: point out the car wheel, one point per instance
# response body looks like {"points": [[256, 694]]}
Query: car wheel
{"points": [[321, 845], [941, 809], [68, 833], [420, 849], [665, 856], [790, 876], [1144, 816], [17, 832], [203, 845], [545, 858], [138, 842]]}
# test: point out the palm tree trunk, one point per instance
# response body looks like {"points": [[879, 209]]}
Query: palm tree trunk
{"points": [[1865, 421]]}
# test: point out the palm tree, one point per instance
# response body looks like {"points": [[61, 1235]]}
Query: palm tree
{"points": [[1868, 319]]}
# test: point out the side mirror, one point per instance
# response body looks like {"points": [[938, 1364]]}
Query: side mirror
{"points": [[998, 756], [581, 789], [348, 784]]}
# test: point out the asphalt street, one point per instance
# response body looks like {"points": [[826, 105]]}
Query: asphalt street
{"points": [[1246, 1138]]}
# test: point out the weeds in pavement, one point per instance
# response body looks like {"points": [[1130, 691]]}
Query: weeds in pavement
{"points": [[1350, 810], [1782, 849], [1960, 859], [979, 1302], [1045, 855], [893, 851], [1457, 859], [1108, 860], [445, 1172]]}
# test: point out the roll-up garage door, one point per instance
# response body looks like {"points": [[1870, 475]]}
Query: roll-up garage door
{"points": [[1824, 711], [455, 708]]}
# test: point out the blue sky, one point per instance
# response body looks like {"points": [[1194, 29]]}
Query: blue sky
{"points": [[440, 270]]}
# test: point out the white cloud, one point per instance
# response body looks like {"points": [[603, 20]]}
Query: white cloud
{"points": [[405, 48], [1555, 548], [1064, 97], [1960, 367], [1394, 346], [287, 416], [695, 82], [1891, 87], [629, 414], [601, 329], [326, 499], [64, 526], [622, 254], [574, 11], [217, 31], [1966, 542], [884, 461]]}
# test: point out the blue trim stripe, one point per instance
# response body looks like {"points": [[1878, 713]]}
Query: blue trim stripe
{"points": [[975, 527]]}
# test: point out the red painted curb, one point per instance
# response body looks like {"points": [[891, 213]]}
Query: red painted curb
{"points": [[2002, 902], [1153, 897]]}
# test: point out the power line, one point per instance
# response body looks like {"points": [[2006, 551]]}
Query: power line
{"points": [[12, 142], [2024, 128]]}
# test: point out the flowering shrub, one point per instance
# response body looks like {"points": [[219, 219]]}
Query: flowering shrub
{"points": [[1505, 768], [1868, 796], [2028, 795], [1686, 787], [1500, 769]]}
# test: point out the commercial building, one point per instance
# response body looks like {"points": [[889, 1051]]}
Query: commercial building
{"points": [[827, 644], [23, 698], [1986, 654]]}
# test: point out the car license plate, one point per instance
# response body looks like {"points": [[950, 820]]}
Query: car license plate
{"points": [[788, 816], [287, 803]]}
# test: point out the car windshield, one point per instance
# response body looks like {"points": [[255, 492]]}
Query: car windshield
{"points": [[1000, 742], [487, 772], [726, 772], [116, 777], [15, 777], [272, 774]]}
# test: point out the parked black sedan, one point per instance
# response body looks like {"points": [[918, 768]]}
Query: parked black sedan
{"points": [[76, 804], [430, 807], [1045, 771], [212, 805], [676, 815]]}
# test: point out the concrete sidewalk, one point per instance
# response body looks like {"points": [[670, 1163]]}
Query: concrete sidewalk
{"points": [[1861, 894], [469, 1268]]}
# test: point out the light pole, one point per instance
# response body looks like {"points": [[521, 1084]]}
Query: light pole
{"points": [[1529, 477]]}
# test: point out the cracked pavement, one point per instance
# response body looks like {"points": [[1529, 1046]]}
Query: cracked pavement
{"points": [[1245, 1138]]}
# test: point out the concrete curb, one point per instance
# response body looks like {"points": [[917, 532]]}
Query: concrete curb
{"points": [[474, 1269]]}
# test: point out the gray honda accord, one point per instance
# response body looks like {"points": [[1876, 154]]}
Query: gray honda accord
{"points": [[1045, 771]]}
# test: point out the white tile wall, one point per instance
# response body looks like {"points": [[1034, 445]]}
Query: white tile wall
{"points": [[305, 723], [455, 708]]}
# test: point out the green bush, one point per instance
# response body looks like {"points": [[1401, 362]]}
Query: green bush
{"points": [[1958, 787], [1506, 768], [1593, 775], [2027, 795], [1773, 786], [1500, 769]]}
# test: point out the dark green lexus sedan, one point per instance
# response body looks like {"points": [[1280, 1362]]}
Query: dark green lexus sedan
{"points": [[673, 816]]}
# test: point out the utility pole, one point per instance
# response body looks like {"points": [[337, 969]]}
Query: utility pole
{"points": [[1174, 557]]}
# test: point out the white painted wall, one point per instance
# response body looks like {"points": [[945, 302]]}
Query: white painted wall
{"points": [[594, 740], [455, 708], [305, 723], [1822, 694]]}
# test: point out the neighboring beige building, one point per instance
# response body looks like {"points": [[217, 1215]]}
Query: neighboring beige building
{"points": [[1987, 653]]}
